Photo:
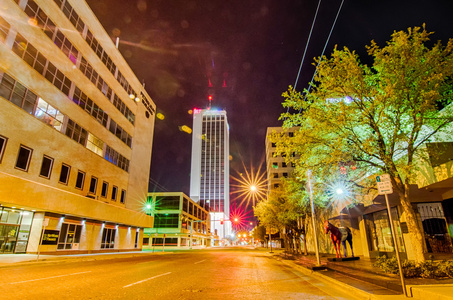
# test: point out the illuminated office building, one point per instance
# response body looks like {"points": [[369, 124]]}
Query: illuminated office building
{"points": [[76, 130], [209, 181]]}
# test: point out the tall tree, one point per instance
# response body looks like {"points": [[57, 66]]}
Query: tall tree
{"points": [[376, 116]]}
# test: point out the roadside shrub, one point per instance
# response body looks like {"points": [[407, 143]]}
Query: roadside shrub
{"points": [[410, 269], [445, 269], [426, 269], [388, 265]]}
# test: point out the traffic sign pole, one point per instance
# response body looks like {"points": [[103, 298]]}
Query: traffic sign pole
{"points": [[385, 187]]}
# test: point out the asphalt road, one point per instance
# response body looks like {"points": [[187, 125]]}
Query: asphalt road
{"points": [[224, 273]]}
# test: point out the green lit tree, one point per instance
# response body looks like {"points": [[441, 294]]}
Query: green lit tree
{"points": [[376, 117]]}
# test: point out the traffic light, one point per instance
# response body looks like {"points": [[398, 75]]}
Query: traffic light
{"points": [[221, 221], [210, 97]]}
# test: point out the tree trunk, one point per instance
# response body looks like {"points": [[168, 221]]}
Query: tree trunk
{"points": [[415, 232], [305, 244]]}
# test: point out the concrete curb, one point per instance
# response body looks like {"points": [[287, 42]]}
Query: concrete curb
{"points": [[355, 292], [66, 259]]}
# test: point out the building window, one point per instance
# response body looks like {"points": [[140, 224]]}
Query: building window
{"points": [[275, 165], [3, 141], [275, 175], [23, 158], [46, 166], [108, 238], [93, 185], [137, 234], [291, 134], [123, 196], [293, 164], [64, 174], [75, 132], [49, 114], [167, 202], [80, 180], [285, 175], [69, 236], [114, 193], [284, 165], [274, 145], [105, 187], [166, 220], [95, 144]]}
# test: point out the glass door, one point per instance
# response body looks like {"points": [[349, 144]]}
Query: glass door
{"points": [[8, 238]]}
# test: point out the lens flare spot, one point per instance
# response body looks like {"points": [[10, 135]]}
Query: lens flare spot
{"points": [[160, 116]]}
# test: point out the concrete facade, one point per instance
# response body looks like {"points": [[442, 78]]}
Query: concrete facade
{"points": [[76, 132]]}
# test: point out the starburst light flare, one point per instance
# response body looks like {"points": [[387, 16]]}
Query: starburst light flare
{"points": [[251, 188]]}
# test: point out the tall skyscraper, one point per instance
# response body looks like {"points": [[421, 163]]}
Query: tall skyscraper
{"points": [[209, 181]]}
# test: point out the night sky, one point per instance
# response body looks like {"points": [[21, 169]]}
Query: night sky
{"points": [[255, 47]]}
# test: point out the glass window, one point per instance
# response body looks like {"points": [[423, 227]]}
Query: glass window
{"points": [[93, 185], [166, 220], [95, 144], [23, 158], [80, 180], [379, 233], [3, 141], [123, 196], [114, 193], [46, 166], [108, 238], [167, 202], [105, 187], [64, 174], [69, 235]]}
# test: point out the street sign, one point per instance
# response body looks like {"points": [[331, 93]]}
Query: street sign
{"points": [[384, 184]]}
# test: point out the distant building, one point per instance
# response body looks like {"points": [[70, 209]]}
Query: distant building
{"points": [[178, 222], [76, 131], [276, 166], [209, 181]]}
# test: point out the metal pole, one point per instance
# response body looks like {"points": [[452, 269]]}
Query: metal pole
{"points": [[270, 239], [40, 242], [397, 251], [191, 232], [313, 218]]}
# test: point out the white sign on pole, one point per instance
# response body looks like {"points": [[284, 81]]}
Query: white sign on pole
{"points": [[384, 184], [45, 223]]}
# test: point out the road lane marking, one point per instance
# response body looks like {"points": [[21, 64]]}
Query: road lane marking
{"points": [[49, 277], [200, 261], [146, 279]]}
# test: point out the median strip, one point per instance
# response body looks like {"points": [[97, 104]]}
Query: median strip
{"points": [[49, 277], [145, 280]]}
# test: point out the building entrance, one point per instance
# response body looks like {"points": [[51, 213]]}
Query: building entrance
{"points": [[8, 238]]}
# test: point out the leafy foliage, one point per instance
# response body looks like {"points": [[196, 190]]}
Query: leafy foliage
{"points": [[376, 118]]}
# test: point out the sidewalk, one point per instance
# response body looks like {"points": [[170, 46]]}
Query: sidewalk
{"points": [[368, 282]]}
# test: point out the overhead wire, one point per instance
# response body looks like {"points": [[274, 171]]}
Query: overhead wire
{"points": [[322, 54], [306, 47]]}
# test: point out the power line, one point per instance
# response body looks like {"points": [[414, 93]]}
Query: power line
{"points": [[323, 50]]}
